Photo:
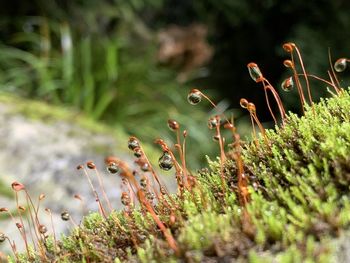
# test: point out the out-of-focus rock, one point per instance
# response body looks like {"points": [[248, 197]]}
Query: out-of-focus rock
{"points": [[41, 147]]}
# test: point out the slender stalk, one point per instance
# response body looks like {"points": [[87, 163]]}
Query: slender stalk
{"points": [[305, 76], [332, 70], [222, 158], [299, 87], [277, 98], [268, 103], [102, 211], [22, 230], [13, 248], [100, 181], [53, 229]]}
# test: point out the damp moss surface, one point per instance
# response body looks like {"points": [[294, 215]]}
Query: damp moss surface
{"points": [[299, 204]]}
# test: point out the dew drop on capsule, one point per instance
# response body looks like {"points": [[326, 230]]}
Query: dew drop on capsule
{"points": [[340, 65], [133, 143], [288, 84], [255, 72], [213, 122], [65, 216], [112, 168], [173, 125], [166, 161], [194, 97], [244, 103]]}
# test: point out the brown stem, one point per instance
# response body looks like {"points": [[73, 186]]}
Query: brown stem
{"points": [[102, 211], [268, 103], [299, 87], [305, 76], [100, 182], [333, 72], [277, 99], [22, 230], [222, 158]]}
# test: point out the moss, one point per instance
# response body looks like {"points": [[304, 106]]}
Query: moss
{"points": [[298, 206]]}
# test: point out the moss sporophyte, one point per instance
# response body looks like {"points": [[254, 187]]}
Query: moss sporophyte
{"points": [[283, 197]]}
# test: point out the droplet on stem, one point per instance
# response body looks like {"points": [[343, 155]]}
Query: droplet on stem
{"points": [[16, 186], [244, 103], [213, 122], [145, 167], [2, 237], [288, 63], [340, 65], [288, 47], [251, 107], [166, 161], [125, 199], [216, 137], [112, 168], [255, 72], [65, 216], [91, 165], [42, 229], [137, 152], [133, 143], [288, 84], [194, 97], [173, 125], [143, 182]]}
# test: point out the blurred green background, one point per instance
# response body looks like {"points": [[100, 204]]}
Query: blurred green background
{"points": [[100, 57]]}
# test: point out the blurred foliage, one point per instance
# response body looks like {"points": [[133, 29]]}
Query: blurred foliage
{"points": [[246, 31], [111, 76], [98, 56]]}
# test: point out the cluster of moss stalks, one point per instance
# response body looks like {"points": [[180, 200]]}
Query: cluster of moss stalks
{"points": [[299, 204]]}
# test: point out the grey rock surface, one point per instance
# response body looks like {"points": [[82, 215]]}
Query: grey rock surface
{"points": [[44, 156]]}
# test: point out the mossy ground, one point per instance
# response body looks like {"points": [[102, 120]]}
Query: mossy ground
{"points": [[299, 203]]}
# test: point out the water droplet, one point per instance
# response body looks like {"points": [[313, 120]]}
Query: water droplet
{"points": [[340, 65], [173, 125], [216, 138], [2, 237], [213, 122], [112, 168], [288, 84], [255, 72], [133, 143], [150, 196], [42, 229], [65, 216], [163, 190], [244, 103], [166, 161], [125, 199], [143, 182], [251, 107], [288, 47], [194, 97], [137, 152], [145, 167], [90, 165], [288, 63]]}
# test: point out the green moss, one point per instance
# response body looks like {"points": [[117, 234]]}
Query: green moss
{"points": [[298, 206]]}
